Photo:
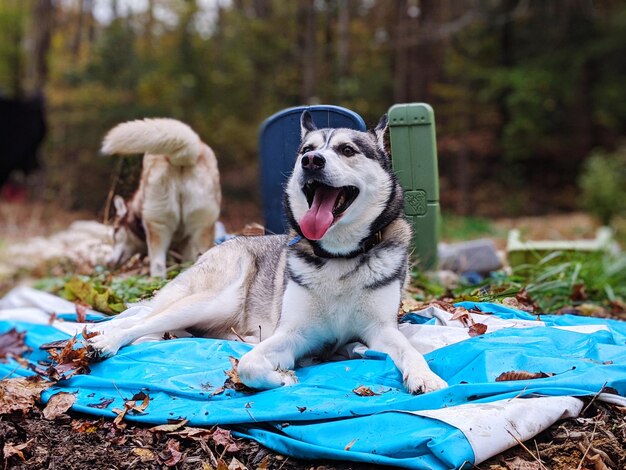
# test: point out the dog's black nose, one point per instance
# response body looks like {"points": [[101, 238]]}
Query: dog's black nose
{"points": [[313, 161]]}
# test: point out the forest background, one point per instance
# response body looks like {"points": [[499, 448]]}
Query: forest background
{"points": [[525, 92]]}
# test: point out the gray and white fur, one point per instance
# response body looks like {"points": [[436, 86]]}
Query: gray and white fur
{"points": [[336, 277]]}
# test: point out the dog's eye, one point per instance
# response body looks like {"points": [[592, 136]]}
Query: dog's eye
{"points": [[347, 151], [308, 148]]}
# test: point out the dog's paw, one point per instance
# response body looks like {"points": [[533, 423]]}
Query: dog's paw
{"points": [[288, 377], [257, 372], [423, 382], [105, 343]]}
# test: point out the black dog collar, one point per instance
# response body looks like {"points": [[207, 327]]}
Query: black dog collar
{"points": [[366, 245]]}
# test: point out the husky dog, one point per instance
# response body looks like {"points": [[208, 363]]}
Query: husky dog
{"points": [[336, 277], [178, 199]]}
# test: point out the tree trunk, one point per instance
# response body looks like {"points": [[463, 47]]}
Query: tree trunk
{"points": [[308, 53], [343, 45], [43, 18], [78, 33], [400, 52]]}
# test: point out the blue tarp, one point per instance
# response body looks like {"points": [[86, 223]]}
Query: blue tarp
{"points": [[321, 416]]}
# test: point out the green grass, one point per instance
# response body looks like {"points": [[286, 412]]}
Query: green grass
{"points": [[456, 228], [558, 280]]}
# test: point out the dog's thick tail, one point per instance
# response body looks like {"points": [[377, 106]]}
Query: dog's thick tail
{"points": [[160, 136]]}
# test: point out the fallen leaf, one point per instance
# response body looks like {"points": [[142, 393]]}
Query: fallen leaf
{"points": [[512, 302], [195, 434], [592, 310], [19, 394], [524, 298], [58, 404], [87, 335], [66, 360], [234, 381], [264, 465], [145, 455], [477, 329], [364, 391], [519, 463], [410, 305], [236, 465], [578, 293], [461, 314], [101, 298], [12, 344], [102, 404], [145, 401], [84, 426], [223, 437], [132, 406], [522, 375], [301, 409], [10, 449], [81, 312], [169, 427], [350, 444], [171, 455]]}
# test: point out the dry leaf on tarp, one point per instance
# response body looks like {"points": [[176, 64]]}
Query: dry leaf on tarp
{"points": [[102, 404], [137, 405], [12, 344], [477, 329], [58, 404], [66, 360], [81, 311], [364, 391], [19, 394], [234, 381], [463, 315], [350, 444], [522, 375]]}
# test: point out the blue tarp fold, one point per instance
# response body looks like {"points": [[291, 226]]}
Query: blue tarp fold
{"points": [[321, 416]]}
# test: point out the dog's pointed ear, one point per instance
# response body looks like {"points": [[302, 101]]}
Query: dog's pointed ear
{"points": [[306, 124], [380, 130], [120, 206]]}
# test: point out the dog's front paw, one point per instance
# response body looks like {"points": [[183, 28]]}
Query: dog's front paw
{"points": [[423, 382], [257, 371], [105, 343]]}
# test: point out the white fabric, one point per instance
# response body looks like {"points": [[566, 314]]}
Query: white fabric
{"points": [[494, 427], [427, 338]]}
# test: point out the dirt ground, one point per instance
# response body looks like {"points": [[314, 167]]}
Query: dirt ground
{"points": [[73, 441], [593, 441]]}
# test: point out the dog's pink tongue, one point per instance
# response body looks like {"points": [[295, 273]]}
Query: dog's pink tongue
{"points": [[318, 219]]}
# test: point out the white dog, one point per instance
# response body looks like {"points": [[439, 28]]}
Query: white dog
{"points": [[178, 199]]}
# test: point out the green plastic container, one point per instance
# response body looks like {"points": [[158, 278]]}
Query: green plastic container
{"points": [[414, 157]]}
